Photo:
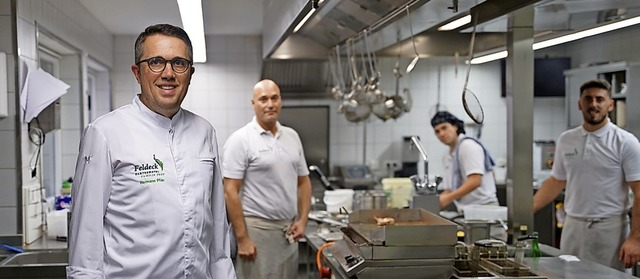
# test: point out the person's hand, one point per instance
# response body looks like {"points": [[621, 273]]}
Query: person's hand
{"points": [[296, 230], [630, 252], [247, 249], [445, 199]]}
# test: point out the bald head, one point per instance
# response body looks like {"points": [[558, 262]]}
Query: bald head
{"points": [[267, 103], [265, 85]]}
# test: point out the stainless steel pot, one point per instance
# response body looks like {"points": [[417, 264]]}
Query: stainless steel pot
{"points": [[369, 199]]}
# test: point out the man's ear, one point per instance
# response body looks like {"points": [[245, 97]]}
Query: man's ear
{"points": [[191, 71], [136, 72]]}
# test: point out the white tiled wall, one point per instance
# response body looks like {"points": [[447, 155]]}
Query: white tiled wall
{"points": [[70, 112], [67, 20], [8, 184]]}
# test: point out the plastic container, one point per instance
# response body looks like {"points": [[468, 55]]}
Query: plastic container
{"points": [[485, 212], [66, 187], [57, 224], [400, 191], [335, 199]]}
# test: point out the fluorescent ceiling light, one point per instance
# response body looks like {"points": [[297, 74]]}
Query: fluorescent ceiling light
{"points": [[191, 14], [587, 33], [564, 39], [305, 18], [489, 57], [455, 24]]}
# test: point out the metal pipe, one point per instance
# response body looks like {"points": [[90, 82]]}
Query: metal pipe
{"points": [[421, 179], [423, 154]]}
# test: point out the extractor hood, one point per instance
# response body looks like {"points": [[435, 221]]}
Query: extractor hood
{"points": [[306, 51], [331, 24], [297, 61], [299, 78]]}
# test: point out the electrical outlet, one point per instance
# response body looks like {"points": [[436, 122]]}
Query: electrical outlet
{"points": [[393, 165]]}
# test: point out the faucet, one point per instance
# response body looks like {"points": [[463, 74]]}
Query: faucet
{"points": [[421, 179]]}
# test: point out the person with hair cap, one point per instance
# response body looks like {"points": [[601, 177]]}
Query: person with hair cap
{"points": [[468, 165]]}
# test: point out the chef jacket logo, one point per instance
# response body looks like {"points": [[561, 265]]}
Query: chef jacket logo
{"points": [[572, 153], [158, 162], [150, 172]]}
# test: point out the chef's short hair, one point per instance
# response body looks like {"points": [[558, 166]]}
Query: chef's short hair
{"points": [[596, 83], [162, 29]]}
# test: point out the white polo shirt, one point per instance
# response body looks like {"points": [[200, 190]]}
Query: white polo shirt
{"points": [[471, 161], [596, 166], [269, 167]]}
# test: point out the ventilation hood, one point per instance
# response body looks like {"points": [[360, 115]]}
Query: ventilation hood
{"points": [[332, 23], [298, 61], [338, 20], [299, 78]]}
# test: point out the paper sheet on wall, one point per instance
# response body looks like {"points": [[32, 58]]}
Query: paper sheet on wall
{"points": [[39, 91]]}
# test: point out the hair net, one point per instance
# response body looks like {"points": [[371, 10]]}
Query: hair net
{"points": [[445, 116]]}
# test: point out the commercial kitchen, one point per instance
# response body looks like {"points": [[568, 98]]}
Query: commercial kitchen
{"points": [[313, 50]]}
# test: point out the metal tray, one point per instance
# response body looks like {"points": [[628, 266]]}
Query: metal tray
{"points": [[412, 227]]}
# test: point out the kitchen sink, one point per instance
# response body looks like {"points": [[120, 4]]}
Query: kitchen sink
{"points": [[36, 264], [38, 258]]}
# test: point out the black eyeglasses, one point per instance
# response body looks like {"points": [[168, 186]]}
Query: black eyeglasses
{"points": [[157, 64]]}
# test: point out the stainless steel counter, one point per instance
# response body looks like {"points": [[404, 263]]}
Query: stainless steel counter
{"points": [[42, 243], [551, 267], [44, 258], [46, 244], [554, 267]]}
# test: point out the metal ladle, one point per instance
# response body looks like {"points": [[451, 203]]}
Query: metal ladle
{"points": [[413, 62], [393, 106]]}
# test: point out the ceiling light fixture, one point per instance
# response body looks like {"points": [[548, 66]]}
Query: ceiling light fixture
{"points": [[191, 15], [303, 21], [489, 57], [456, 23], [587, 33], [314, 6], [564, 38]]}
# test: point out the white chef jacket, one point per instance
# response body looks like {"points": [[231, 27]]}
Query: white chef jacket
{"points": [[148, 199]]}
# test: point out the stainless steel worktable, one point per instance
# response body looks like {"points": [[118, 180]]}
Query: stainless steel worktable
{"points": [[554, 267], [550, 267]]}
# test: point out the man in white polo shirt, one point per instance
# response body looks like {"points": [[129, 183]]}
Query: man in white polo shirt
{"points": [[596, 163], [267, 189]]}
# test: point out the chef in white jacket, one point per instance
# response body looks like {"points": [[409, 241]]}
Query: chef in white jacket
{"points": [[147, 198]]}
